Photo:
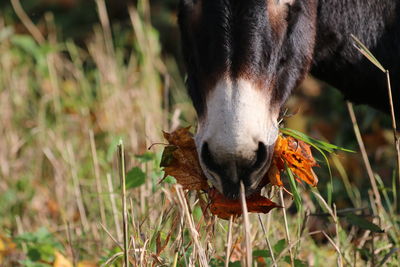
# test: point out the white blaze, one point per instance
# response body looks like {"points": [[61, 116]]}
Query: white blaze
{"points": [[238, 117]]}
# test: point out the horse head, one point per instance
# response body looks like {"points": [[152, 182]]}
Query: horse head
{"points": [[243, 59]]}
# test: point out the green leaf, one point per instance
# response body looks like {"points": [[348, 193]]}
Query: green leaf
{"points": [[29, 263], [197, 213], [135, 178], [167, 156], [112, 148], [169, 180], [146, 157], [26, 43], [43, 234], [362, 223], [261, 253], [34, 254], [297, 262], [47, 252], [216, 263], [279, 246], [26, 237], [365, 253]]}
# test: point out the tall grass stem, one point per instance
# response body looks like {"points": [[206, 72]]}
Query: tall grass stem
{"points": [[99, 189], [268, 242], [122, 174], [394, 125], [286, 226], [229, 243], [364, 154], [246, 225], [114, 207], [30, 26]]}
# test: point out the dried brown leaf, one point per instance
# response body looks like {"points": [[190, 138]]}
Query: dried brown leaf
{"points": [[183, 163], [225, 208]]}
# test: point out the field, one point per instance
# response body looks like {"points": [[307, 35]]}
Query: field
{"points": [[67, 101]]}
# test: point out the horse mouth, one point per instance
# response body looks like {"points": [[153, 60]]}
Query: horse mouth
{"points": [[226, 177]]}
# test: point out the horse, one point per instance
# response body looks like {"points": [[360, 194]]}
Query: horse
{"points": [[244, 58]]}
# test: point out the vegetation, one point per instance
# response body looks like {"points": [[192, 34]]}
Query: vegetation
{"points": [[65, 104]]}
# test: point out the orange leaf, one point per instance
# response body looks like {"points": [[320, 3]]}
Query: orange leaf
{"points": [[225, 208], [274, 175], [61, 261], [87, 264], [298, 157], [7, 247]]}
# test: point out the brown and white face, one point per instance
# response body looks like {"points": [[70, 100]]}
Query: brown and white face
{"points": [[243, 59]]}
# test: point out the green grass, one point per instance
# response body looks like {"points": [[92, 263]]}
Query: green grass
{"points": [[63, 110]]}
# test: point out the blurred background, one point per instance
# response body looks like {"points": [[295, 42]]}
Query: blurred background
{"points": [[78, 75]]}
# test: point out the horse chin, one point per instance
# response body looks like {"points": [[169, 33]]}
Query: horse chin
{"points": [[229, 187]]}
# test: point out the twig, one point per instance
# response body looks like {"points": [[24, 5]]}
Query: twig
{"points": [[365, 51], [77, 189], [268, 243], [286, 226], [111, 236], [34, 31], [357, 132], [333, 214], [285, 250], [114, 207], [175, 260], [229, 243], [247, 232], [134, 227], [105, 24], [340, 260], [394, 126], [121, 161], [387, 256], [97, 177], [192, 227], [335, 246], [71, 247], [269, 215], [112, 259], [142, 253]]}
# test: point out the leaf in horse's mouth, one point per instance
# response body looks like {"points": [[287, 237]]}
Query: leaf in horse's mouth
{"points": [[297, 156], [180, 160]]}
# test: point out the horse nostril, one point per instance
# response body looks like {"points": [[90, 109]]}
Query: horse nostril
{"points": [[227, 169], [244, 166], [207, 157], [261, 155]]}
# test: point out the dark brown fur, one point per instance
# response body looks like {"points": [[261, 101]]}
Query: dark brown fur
{"points": [[275, 46]]}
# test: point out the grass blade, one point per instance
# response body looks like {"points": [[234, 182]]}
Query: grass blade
{"points": [[365, 51], [330, 148], [122, 173], [294, 189]]}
